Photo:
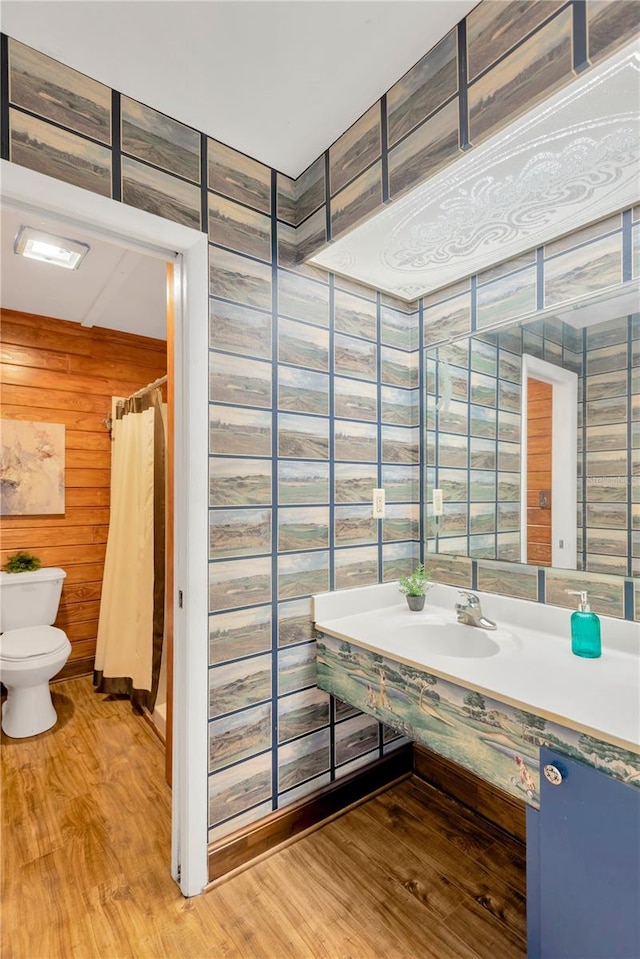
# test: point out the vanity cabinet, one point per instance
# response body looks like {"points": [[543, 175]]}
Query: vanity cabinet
{"points": [[583, 864], [497, 714]]}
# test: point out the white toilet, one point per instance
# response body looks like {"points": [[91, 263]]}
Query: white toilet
{"points": [[32, 651]]}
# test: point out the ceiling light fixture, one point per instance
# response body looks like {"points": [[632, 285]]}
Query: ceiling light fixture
{"points": [[48, 248]]}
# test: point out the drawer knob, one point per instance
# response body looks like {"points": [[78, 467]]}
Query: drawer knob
{"points": [[552, 774]]}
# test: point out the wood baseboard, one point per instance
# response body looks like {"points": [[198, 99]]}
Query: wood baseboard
{"points": [[242, 847], [74, 668], [483, 798]]}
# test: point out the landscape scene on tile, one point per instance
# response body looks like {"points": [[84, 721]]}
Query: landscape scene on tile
{"points": [[55, 92], [160, 193], [493, 739], [54, 152], [149, 135]]}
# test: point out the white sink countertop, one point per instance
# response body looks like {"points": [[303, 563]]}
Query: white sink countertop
{"points": [[531, 666]]}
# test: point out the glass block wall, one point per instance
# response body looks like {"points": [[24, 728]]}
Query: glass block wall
{"points": [[314, 402]]}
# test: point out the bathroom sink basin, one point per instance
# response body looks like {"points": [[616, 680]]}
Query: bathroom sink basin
{"points": [[452, 639]]}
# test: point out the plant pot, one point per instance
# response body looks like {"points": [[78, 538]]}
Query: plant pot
{"points": [[416, 603]]}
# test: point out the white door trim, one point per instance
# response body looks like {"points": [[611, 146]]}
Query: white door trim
{"points": [[188, 249], [564, 456]]}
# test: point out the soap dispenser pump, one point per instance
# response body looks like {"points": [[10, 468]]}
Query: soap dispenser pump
{"points": [[585, 628]]}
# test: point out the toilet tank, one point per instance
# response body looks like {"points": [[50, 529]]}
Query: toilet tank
{"points": [[30, 599]]}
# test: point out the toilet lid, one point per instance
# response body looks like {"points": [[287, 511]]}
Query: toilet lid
{"points": [[31, 641]]}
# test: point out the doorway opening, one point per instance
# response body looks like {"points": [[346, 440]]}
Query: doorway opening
{"points": [[549, 465], [79, 347], [187, 250]]}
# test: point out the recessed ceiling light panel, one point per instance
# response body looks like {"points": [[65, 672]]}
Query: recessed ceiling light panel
{"points": [[48, 248]]}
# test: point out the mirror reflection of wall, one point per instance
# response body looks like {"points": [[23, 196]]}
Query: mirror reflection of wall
{"points": [[476, 434]]}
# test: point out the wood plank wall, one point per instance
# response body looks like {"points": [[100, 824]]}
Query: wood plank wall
{"points": [[54, 371], [539, 427]]}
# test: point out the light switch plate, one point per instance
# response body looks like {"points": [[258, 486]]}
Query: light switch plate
{"points": [[378, 503]]}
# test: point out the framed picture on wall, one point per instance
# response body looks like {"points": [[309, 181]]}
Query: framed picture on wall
{"points": [[31, 468]]}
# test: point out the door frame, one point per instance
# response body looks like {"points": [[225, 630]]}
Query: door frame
{"points": [[564, 460], [188, 250]]}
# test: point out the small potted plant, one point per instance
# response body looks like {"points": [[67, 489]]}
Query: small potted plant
{"points": [[21, 562], [415, 586]]}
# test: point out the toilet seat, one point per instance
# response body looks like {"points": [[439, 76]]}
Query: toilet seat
{"points": [[31, 643]]}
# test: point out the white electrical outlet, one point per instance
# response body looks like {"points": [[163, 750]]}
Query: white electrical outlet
{"points": [[438, 502], [378, 504]]}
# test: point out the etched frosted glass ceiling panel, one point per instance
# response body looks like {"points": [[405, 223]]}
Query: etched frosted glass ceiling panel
{"points": [[572, 160]]}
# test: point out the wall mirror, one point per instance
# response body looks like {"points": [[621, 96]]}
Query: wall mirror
{"points": [[533, 439]]}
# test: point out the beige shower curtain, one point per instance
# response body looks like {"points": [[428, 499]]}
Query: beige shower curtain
{"points": [[131, 622]]}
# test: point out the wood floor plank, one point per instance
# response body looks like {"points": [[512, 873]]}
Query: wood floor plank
{"points": [[504, 854], [478, 882], [85, 867], [409, 867], [279, 927], [466, 831], [397, 908], [334, 929], [490, 939]]}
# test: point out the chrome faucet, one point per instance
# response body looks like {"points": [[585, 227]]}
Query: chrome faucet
{"points": [[470, 612]]}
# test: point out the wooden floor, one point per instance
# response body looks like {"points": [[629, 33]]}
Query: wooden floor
{"points": [[85, 856]]}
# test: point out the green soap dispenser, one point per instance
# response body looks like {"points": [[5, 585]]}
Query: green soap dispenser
{"points": [[585, 628]]}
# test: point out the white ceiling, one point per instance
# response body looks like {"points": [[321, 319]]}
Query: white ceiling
{"points": [[278, 79], [113, 288]]}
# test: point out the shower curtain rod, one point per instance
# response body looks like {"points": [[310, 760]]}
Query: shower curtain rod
{"points": [[147, 389], [108, 422]]}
